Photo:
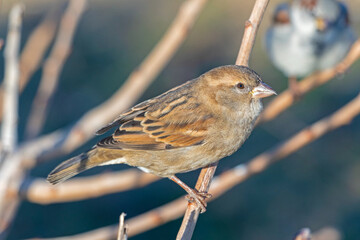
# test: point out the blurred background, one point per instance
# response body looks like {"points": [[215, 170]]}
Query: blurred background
{"points": [[316, 187]]}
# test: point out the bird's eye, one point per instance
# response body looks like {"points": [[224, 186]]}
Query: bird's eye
{"points": [[240, 86]]}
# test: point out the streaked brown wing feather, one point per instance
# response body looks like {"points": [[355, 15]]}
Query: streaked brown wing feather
{"points": [[126, 116], [158, 124]]}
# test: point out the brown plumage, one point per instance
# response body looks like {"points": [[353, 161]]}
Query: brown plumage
{"points": [[189, 127]]}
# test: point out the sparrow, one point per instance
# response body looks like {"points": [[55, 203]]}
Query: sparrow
{"points": [[188, 127], [307, 36]]}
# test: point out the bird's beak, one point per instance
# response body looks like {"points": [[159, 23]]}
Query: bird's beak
{"points": [[320, 24], [263, 90]]}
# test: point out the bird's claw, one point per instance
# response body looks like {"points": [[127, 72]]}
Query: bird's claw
{"points": [[199, 199]]}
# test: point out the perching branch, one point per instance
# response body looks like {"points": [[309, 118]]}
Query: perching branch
{"points": [[53, 66], [228, 179], [251, 26]]}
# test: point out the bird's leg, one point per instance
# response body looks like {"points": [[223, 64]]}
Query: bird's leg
{"points": [[294, 88], [198, 197]]}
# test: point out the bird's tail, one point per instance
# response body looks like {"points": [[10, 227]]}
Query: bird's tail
{"points": [[69, 168]]}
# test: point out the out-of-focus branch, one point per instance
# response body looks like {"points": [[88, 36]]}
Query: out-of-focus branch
{"points": [[135, 225], [230, 178], [251, 26], [11, 82], [34, 50], [286, 98], [41, 192], [9, 125], [327, 233], [53, 66]]}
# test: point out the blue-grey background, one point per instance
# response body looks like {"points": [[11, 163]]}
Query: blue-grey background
{"points": [[316, 187]]}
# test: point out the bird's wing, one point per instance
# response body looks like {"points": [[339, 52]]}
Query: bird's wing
{"points": [[167, 122]]}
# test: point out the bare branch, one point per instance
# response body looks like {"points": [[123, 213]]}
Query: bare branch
{"points": [[11, 82], [53, 66], [76, 189], [9, 125], [228, 179], [122, 234], [34, 50], [251, 28], [206, 174]]}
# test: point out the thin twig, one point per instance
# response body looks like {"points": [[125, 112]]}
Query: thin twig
{"points": [[228, 179], [122, 233], [9, 126], [53, 66], [251, 26]]}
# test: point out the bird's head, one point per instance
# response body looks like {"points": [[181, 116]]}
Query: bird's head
{"points": [[281, 15], [234, 87]]}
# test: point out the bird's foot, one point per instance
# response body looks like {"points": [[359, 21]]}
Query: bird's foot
{"points": [[194, 195], [199, 198]]}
